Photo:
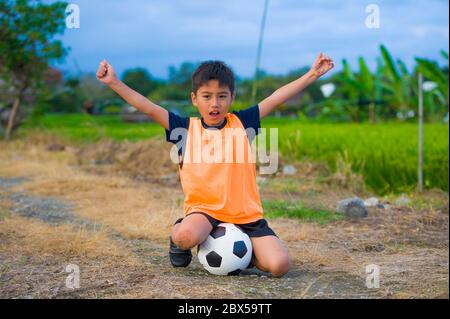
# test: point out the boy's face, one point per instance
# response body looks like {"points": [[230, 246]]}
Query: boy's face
{"points": [[213, 102]]}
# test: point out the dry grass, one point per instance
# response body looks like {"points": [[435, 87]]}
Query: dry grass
{"points": [[345, 177], [30, 158], [303, 241], [30, 237], [131, 210], [5, 208], [147, 160], [120, 203], [294, 230]]}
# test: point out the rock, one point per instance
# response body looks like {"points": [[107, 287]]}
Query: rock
{"points": [[252, 290], [381, 206], [101, 161], [289, 170], [402, 200], [352, 207], [55, 147], [371, 202]]}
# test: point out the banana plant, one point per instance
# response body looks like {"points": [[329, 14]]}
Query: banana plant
{"points": [[432, 72], [367, 88], [397, 84], [362, 88], [350, 89], [378, 83]]}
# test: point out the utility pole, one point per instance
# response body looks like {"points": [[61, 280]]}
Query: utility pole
{"points": [[258, 54], [420, 155]]}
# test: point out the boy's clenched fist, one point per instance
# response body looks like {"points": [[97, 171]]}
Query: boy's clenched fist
{"points": [[105, 73], [322, 65]]}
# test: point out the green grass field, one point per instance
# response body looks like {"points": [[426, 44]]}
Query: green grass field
{"points": [[384, 154], [280, 208]]}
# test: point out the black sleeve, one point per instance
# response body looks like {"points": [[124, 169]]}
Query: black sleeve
{"points": [[250, 119], [176, 121], [177, 133]]}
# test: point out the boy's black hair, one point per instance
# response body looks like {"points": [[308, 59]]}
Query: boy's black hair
{"points": [[212, 70]]}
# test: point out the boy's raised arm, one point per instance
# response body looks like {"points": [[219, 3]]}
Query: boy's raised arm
{"points": [[321, 66], [106, 74]]}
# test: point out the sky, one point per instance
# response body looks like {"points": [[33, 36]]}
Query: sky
{"points": [[156, 34]]}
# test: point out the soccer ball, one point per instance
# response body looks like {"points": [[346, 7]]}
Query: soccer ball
{"points": [[226, 251]]}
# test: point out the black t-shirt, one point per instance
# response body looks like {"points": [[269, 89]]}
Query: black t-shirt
{"points": [[249, 118]]}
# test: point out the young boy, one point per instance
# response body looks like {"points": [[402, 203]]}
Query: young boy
{"points": [[218, 192]]}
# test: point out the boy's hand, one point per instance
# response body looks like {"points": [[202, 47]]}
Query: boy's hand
{"points": [[322, 65], [105, 73]]}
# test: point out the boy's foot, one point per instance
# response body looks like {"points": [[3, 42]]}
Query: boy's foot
{"points": [[179, 257]]}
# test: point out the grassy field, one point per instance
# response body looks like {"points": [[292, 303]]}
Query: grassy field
{"points": [[281, 208], [385, 155]]}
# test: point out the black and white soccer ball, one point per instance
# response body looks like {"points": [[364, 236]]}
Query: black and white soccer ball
{"points": [[226, 251]]}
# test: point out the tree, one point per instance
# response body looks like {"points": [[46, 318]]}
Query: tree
{"points": [[182, 75], [27, 44], [351, 90], [432, 72], [397, 84], [178, 87], [140, 80]]}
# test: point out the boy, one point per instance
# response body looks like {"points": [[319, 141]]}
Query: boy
{"points": [[218, 192]]}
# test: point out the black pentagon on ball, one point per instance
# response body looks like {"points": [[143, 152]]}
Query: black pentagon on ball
{"points": [[234, 272], [218, 232], [239, 248], [213, 259]]}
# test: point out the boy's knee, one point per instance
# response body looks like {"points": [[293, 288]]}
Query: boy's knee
{"points": [[183, 237], [279, 267]]}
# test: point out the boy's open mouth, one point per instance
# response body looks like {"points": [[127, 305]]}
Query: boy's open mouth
{"points": [[214, 113]]}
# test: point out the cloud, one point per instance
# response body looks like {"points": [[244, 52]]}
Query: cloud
{"points": [[422, 31], [156, 34]]}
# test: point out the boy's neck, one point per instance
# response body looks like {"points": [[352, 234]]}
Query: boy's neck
{"points": [[218, 126]]}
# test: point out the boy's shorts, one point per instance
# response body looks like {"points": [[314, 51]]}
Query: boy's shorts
{"points": [[259, 228]]}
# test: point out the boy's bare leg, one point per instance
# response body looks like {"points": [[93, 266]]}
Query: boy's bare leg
{"points": [[271, 255], [193, 230]]}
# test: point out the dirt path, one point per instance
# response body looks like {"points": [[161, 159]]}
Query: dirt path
{"points": [[45, 278], [56, 212]]}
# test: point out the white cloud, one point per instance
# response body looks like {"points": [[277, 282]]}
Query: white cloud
{"points": [[156, 34], [422, 31]]}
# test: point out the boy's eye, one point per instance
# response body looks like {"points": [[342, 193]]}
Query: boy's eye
{"points": [[208, 96]]}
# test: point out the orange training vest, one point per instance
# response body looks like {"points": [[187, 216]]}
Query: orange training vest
{"points": [[217, 176]]}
